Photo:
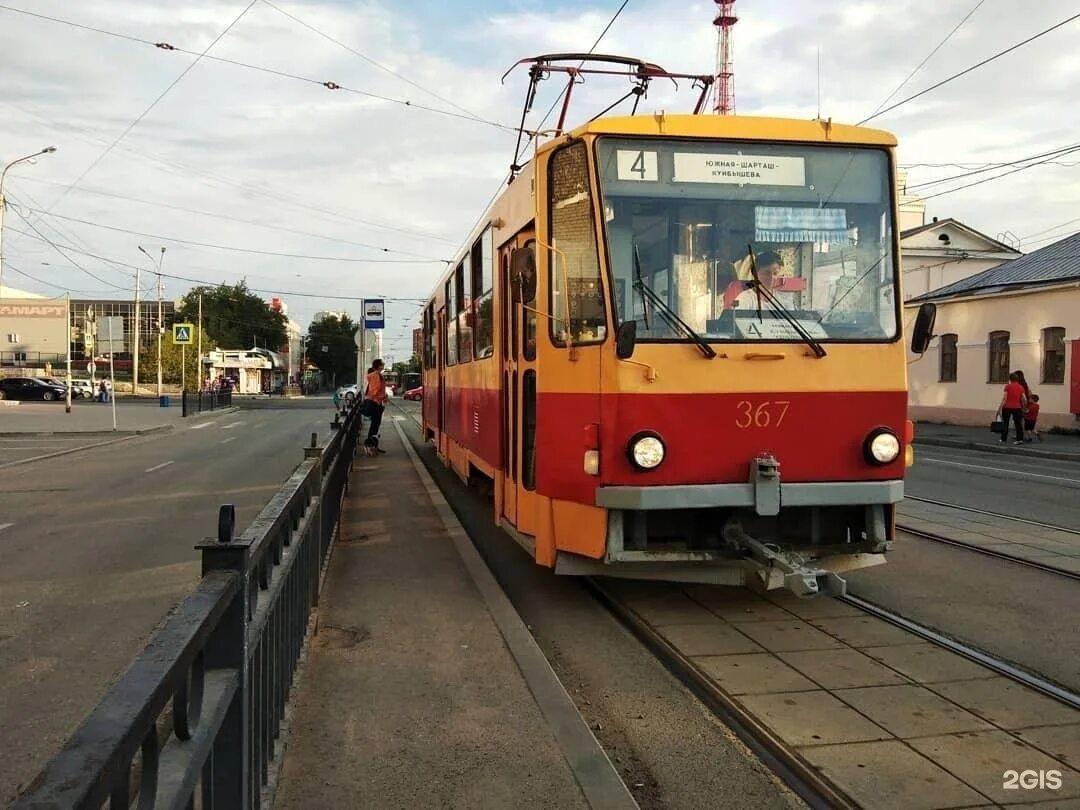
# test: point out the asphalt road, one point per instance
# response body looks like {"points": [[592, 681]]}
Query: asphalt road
{"points": [[98, 547], [1034, 489]]}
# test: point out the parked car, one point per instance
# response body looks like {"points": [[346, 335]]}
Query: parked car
{"points": [[414, 394], [29, 388], [348, 392]]}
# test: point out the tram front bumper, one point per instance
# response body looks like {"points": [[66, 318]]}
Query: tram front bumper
{"points": [[750, 495]]}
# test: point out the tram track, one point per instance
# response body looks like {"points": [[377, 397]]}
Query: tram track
{"points": [[990, 552], [801, 776]]}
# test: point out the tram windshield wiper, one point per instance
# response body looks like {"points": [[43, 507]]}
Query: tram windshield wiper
{"points": [[784, 312], [647, 293]]}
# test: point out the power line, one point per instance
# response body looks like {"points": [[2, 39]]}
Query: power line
{"points": [[929, 56], [9, 266], [371, 61], [211, 214], [329, 85], [1047, 230], [59, 250], [989, 179], [352, 259], [153, 104], [207, 283], [967, 70], [1061, 150], [988, 165]]}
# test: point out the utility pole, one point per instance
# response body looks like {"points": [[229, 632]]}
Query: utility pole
{"points": [[135, 351], [67, 408], [160, 328], [198, 362]]}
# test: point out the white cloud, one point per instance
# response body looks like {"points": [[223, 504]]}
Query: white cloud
{"points": [[260, 147]]}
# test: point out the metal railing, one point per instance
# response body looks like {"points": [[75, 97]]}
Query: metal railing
{"points": [[194, 720], [195, 402]]}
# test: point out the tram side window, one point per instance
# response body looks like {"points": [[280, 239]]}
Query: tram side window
{"points": [[483, 296], [464, 313], [450, 325], [575, 263], [429, 337]]}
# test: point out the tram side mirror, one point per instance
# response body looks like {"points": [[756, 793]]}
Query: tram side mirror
{"points": [[625, 339], [523, 275], [923, 332]]}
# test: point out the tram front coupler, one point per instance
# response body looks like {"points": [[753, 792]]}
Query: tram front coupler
{"points": [[784, 569]]}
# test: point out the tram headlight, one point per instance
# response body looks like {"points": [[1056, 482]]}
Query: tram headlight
{"points": [[646, 451], [882, 446]]}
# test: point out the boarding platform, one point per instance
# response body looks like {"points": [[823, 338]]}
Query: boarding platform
{"points": [[422, 686]]}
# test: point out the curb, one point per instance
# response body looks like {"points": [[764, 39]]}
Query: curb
{"points": [[596, 776], [217, 412], [69, 451], [964, 444], [139, 432]]}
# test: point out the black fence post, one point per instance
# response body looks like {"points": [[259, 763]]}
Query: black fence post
{"points": [[227, 776], [183, 404]]}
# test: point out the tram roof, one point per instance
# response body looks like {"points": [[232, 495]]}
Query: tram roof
{"points": [[735, 127]]}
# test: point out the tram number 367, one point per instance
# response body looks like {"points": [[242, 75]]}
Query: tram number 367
{"points": [[762, 414]]}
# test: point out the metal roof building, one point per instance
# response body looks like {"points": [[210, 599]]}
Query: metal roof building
{"points": [[1058, 263]]}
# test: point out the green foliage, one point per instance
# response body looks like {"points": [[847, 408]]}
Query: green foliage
{"points": [[235, 318], [171, 355], [338, 362]]}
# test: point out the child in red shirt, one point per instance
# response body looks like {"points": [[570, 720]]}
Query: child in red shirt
{"points": [[1030, 417]]}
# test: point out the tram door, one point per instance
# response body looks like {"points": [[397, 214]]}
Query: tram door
{"points": [[519, 395], [440, 408]]}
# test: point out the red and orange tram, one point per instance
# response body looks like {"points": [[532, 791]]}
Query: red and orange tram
{"points": [[673, 345]]}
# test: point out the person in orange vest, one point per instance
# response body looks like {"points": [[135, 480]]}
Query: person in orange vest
{"points": [[375, 400]]}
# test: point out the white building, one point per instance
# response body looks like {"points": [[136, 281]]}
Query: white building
{"points": [[252, 371], [942, 252], [1020, 315]]}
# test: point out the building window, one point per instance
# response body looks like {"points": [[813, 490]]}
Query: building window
{"points": [[483, 296], [999, 357], [948, 358], [1053, 346], [576, 263]]}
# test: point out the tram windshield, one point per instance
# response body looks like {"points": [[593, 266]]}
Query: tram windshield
{"points": [[690, 225]]}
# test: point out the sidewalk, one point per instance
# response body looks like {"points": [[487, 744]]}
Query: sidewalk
{"points": [[422, 687], [1054, 445]]}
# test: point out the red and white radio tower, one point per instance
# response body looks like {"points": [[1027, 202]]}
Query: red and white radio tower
{"points": [[725, 71]]}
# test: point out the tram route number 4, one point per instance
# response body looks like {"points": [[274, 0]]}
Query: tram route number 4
{"points": [[1031, 780]]}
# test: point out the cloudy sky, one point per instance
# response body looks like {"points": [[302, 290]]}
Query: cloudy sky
{"points": [[375, 193]]}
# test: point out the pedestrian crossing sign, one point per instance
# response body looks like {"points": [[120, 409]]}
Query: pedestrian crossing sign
{"points": [[182, 332]]}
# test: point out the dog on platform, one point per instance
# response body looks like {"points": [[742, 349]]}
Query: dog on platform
{"points": [[371, 446]]}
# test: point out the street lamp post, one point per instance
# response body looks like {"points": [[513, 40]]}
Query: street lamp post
{"points": [[46, 151], [160, 325]]}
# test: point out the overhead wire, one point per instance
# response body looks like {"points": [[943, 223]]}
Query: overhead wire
{"points": [[371, 61], [329, 85], [198, 212], [14, 269], [154, 103], [1059, 151], [928, 57], [179, 241], [971, 68], [989, 179]]}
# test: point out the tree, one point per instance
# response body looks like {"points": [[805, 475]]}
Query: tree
{"points": [[332, 347], [171, 354], [235, 318]]}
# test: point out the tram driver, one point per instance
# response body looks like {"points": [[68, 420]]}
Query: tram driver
{"points": [[740, 294]]}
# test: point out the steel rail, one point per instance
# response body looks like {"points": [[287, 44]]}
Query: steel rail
{"points": [[998, 665], [993, 514], [800, 776], [1001, 555]]}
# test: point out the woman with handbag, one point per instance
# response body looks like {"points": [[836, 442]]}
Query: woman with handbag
{"points": [[1012, 407]]}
